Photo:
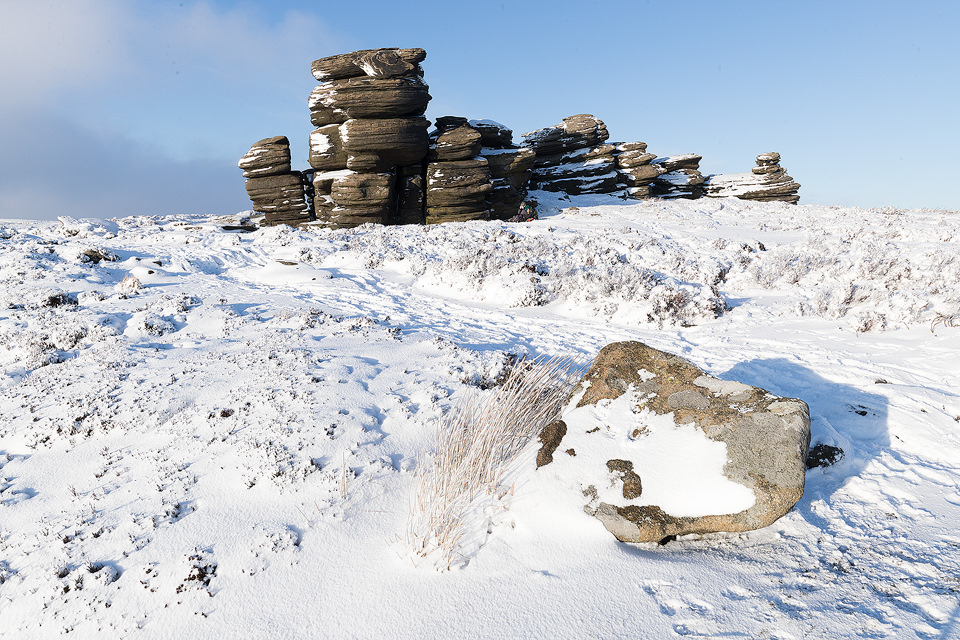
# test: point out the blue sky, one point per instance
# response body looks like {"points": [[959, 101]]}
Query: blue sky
{"points": [[114, 107]]}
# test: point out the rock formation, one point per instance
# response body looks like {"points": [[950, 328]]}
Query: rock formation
{"points": [[768, 181], [510, 168], [458, 177], [636, 168], [646, 414], [373, 160], [274, 189], [571, 157], [680, 178], [371, 137]]}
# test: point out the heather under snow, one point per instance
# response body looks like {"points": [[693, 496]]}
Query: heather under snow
{"points": [[214, 432]]}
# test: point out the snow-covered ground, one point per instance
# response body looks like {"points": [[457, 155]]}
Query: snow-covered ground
{"points": [[214, 433]]}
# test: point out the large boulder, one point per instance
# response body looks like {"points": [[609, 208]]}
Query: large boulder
{"points": [[661, 449]]}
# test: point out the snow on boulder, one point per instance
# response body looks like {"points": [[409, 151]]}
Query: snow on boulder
{"points": [[659, 448]]}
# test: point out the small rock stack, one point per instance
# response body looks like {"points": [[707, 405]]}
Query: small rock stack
{"points": [[636, 168], [681, 177], [275, 190], [572, 158], [510, 168], [371, 137], [768, 182], [458, 177]]}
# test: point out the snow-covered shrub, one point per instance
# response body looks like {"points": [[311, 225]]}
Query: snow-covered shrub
{"points": [[475, 443]]}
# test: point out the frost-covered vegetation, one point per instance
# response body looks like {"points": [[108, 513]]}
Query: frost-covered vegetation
{"points": [[214, 432]]}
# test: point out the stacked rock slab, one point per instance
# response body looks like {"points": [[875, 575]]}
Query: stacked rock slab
{"points": [[571, 157], [274, 189], [636, 168], [681, 177], [768, 181], [510, 168], [371, 137], [458, 177]]}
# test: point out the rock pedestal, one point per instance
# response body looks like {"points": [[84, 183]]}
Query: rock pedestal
{"points": [[274, 189], [681, 177], [768, 181], [371, 138], [571, 157], [738, 457]]}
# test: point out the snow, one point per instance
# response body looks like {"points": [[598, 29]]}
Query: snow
{"points": [[682, 469], [319, 142], [227, 447]]}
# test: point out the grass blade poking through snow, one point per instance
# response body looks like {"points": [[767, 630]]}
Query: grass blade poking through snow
{"points": [[475, 444]]}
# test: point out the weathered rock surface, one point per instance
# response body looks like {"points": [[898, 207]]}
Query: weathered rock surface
{"points": [[370, 98], [371, 141], [766, 182], [681, 177], [347, 198], [267, 157], [493, 135], [636, 168], [376, 63], [510, 172], [766, 439], [456, 143], [281, 197], [273, 188], [575, 132], [394, 141], [571, 157], [326, 149], [458, 178], [458, 182]]}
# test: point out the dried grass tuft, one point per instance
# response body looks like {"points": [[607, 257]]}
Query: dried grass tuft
{"points": [[475, 444], [945, 320]]}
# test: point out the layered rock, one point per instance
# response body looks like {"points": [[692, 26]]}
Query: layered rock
{"points": [[680, 177], [636, 168], [571, 157], [458, 177], [663, 449], [510, 168], [371, 138], [275, 190], [510, 172], [768, 181]]}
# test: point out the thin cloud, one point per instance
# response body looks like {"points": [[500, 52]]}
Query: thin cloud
{"points": [[122, 108]]}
